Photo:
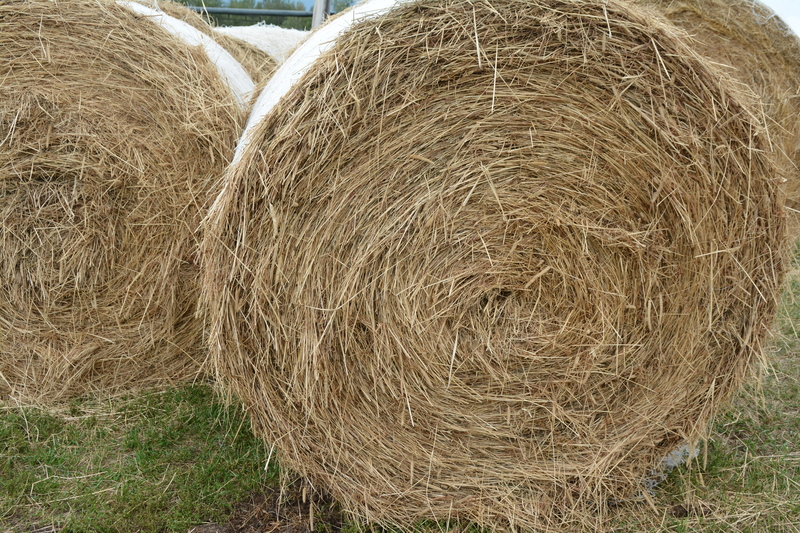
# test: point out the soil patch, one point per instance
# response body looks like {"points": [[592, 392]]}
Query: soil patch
{"points": [[296, 509]]}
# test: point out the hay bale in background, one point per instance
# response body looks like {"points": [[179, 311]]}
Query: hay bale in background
{"points": [[760, 50], [113, 133], [492, 261], [259, 63], [275, 41]]}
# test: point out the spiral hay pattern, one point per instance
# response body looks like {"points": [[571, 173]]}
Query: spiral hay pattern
{"points": [[493, 261], [113, 135]]}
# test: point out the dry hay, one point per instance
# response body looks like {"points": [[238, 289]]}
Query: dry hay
{"points": [[275, 41], [193, 31], [112, 136], [494, 261], [760, 50]]}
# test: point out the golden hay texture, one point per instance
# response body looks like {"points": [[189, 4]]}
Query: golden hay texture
{"points": [[112, 136], [258, 64], [760, 50], [494, 261]]}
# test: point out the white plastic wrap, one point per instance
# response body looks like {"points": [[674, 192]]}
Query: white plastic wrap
{"points": [[229, 69], [274, 41], [317, 43]]}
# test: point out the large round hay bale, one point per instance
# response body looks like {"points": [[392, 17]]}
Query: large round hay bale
{"points": [[750, 41], [113, 133], [491, 261], [259, 63]]}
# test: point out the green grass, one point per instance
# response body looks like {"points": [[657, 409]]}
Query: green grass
{"points": [[168, 461], [747, 479], [157, 462]]}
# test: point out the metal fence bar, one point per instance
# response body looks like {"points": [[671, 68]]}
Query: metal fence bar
{"points": [[250, 12]]}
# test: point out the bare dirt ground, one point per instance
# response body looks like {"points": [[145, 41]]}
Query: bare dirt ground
{"points": [[296, 510]]}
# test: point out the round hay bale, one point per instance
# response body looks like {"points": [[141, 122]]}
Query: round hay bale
{"points": [[760, 50], [258, 63], [113, 134], [491, 261], [275, 41]]}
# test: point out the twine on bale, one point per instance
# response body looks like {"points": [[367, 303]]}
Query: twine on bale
{"points": [[113, 134], [493, 261], [751, 42]]}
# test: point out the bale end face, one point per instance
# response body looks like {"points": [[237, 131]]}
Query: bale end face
{"points": [[114, 133], [494, 262]]}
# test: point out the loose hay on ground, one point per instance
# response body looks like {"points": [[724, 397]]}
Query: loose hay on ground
{"points": [[112, 136], [759, 49], [494, 261]]}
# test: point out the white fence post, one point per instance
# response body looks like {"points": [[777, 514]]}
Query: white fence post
{"points": [[322, 8]]}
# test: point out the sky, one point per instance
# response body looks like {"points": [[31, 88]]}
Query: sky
{"points": [[788, 10]]}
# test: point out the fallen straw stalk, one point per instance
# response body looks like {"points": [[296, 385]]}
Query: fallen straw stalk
{"points": [[492, 261]]}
